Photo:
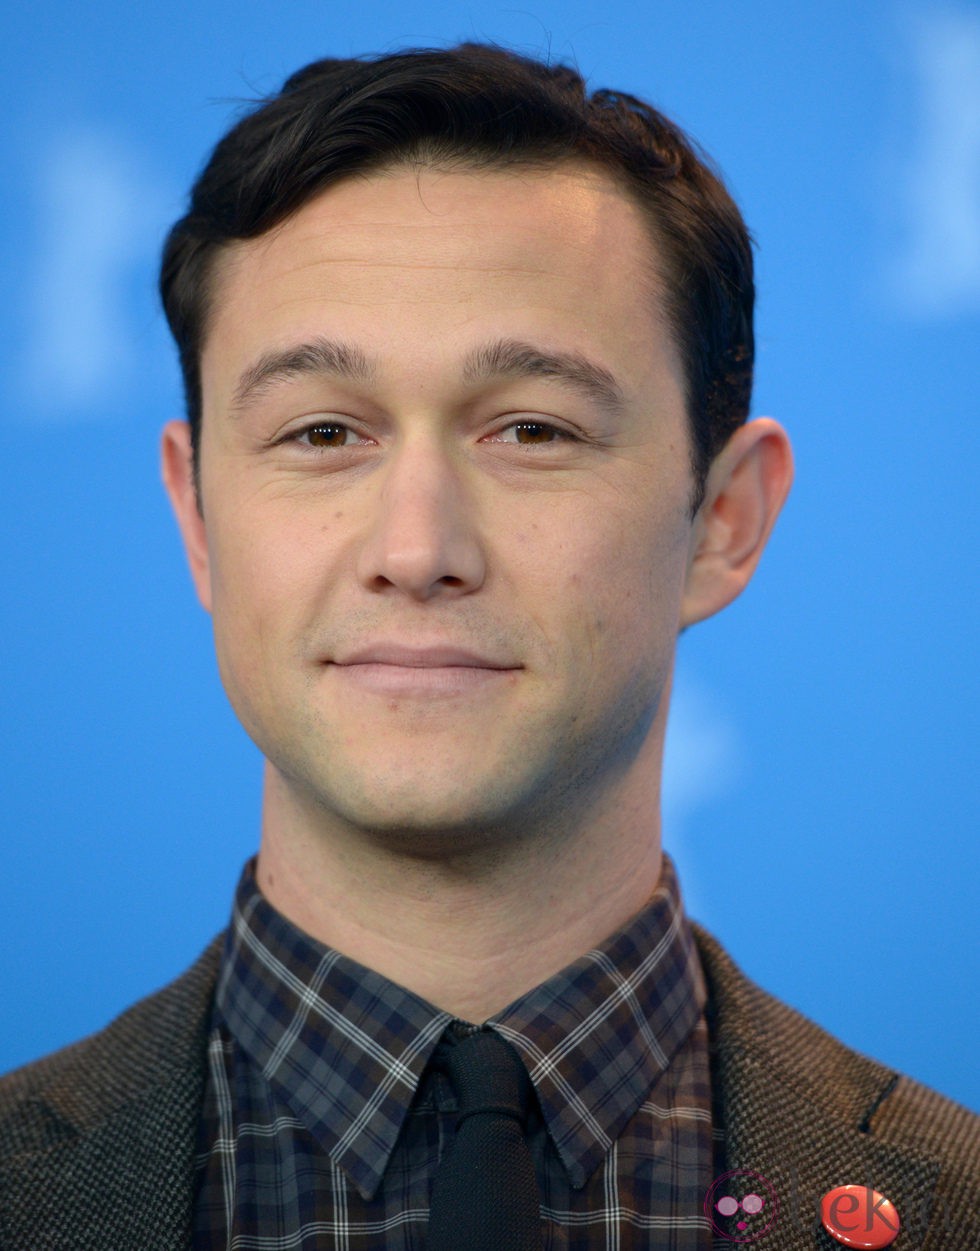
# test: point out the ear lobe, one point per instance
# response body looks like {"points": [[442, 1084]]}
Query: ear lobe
{"points": [[177, 468], [746, 488]]}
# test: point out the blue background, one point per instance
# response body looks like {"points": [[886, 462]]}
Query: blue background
{"points": [[821, 777]]}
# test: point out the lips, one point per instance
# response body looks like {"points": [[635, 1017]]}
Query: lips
{"points": [[436, 656], [423, 672]]}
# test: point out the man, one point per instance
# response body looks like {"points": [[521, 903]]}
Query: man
{"points": [[467, 358]]}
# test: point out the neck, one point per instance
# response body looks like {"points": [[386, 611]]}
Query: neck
{"points": [[469, 932]]}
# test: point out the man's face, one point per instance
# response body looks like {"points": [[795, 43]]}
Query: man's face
{"points": [[445, 484]]}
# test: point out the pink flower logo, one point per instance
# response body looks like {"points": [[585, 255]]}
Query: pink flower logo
{"points": [[741, 1205]]}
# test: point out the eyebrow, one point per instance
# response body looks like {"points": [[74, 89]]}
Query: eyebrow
{"points": [[502, 358], [512, 358], [321, 357]]}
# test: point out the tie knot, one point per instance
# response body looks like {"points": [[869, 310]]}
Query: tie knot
{"points": [[487, 1075]]}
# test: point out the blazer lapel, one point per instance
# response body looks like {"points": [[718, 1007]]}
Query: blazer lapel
{"points": [[109, 1158], [797, 1108]]}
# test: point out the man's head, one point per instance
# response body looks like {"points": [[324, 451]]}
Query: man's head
{"points": [[444, 446], [481, 107]]}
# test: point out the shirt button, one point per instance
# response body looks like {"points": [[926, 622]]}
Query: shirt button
{"points": [[858, 1216]]}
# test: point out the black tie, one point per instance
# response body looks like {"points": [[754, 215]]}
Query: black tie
{"points": [[485, 1197]]}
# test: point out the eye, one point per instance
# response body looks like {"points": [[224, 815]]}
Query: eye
{"points": [[530, 433], [327, 434]]}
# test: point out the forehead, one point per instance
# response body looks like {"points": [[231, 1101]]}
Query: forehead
{"points": [[562, 251]]}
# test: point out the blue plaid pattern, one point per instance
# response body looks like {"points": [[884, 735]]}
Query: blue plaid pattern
{"points": [[322, 1124]]}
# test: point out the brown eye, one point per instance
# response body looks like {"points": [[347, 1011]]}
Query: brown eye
{"points": [[329, 434], [534, 432]]}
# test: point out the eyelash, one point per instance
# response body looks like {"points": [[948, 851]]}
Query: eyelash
{"points": [[559, 435], [301, 435]]}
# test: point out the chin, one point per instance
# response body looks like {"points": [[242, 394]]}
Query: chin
{"points": [[432, 816]]}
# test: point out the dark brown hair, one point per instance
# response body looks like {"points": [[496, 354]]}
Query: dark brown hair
{"points": [[477, 106]]}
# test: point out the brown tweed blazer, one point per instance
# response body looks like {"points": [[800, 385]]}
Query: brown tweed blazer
{"points": [[97, 1141]]}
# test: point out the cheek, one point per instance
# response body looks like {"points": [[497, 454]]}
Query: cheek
{"points": [[620, 593], [267, 543], [260, 575]]}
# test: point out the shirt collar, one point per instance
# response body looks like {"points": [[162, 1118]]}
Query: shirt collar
{"points": [[597, 1036], [346, 1048]]}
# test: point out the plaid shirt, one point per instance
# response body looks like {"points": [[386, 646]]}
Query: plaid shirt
{"points": [[323, 1126]]}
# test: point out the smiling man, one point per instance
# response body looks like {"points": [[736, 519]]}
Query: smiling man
{"points": [[446, 537], [467, 356]]}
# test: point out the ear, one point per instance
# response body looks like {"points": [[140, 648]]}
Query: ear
{"points": [[746, 487], [177, 466]]}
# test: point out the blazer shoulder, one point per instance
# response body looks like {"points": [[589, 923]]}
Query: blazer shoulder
{"points": [[751, 1026], [74, 1089], [918, 1118], [799, 1108]]}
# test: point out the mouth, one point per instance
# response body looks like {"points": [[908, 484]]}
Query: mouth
{"points": [[437, 656], [397, 669]]}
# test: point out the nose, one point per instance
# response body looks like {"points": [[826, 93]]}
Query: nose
{"points": [[423, 534]]}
